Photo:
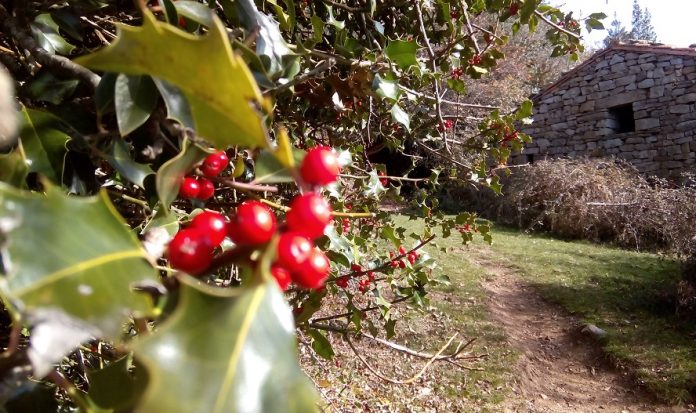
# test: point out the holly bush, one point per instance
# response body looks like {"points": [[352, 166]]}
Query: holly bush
{"points": [[190, 182]]}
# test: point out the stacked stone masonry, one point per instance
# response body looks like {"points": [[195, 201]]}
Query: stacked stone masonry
{"points": [[636, 102]]}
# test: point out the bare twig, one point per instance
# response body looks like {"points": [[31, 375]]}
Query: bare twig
{"points": [[449, 102], [394, 381], [58, 64], [433, 64], [247, 186], [321, 67], [344, 7]]}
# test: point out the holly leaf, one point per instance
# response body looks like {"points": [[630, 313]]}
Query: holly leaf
{"points": [[237, 349], [135, 98], [46, 33], [114, 387], [170, 175], [120, 158], [374, 187], [320, 344], [44, 142], [402, 52], [178, 108], [67, 253], [270, 45], [269, 170], [13, 168], [193, 10], [400, 116], [218, 85], [385, 88]]}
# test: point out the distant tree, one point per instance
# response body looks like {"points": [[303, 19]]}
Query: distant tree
{"points": [[616, 32], [642, 27]]}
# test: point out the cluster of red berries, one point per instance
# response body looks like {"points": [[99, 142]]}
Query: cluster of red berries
{"points": [[446, 125], [466, 228], [455, 14], [412, 257], [457, 73], [510, 137], [201, 187], [363, 284], [254, 224], [475, 59]]}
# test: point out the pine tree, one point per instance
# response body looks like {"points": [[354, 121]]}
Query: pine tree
{"points": [[616, 32], [642, 28]]}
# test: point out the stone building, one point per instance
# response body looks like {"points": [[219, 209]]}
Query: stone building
{"points": [[634, 101]]}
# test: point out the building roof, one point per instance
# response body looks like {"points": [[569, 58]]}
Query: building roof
{"points": [[637, 47]]}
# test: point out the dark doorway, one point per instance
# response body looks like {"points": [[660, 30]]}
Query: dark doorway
{"points": [[623, 118]]}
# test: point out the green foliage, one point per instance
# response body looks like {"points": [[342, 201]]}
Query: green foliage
{"points": [[264, 82]]}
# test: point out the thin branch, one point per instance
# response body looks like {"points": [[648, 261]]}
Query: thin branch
{"points": [[344, 7], [59, 64], [433, 64], [321, 67], [394, 381], [247, 186], [465, 10], [361, 310], [449, 102], [549, 22]]}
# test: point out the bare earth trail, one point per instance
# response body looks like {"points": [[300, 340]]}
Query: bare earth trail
{"points": [[559, 369]]}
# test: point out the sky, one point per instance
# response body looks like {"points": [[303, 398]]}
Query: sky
{"points": [[673, 20]]}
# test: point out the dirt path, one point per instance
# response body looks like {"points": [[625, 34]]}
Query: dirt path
{"points": [[559, 370]]}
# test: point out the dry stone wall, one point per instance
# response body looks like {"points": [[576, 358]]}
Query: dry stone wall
{"points": [[636, 105]]}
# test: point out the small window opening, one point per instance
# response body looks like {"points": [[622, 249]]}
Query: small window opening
{"points": [[622, 117], [530, 158]]}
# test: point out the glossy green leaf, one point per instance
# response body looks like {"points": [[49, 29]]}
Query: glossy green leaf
{"points": [[525, 110], [269, 170], [114, 386], [170, 174], [120, 158], [44, 143], [317, 28], [400, 116], [320, 344], [135, 98], [193, 10], [402, 52], [218, 85], [178, 108], [68, 253], [104, 95], [46, 87], [13, 168], [225, 351], [385, 88], [270, 44], [46, 33]]}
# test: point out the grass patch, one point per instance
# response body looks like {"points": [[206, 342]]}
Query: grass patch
{"points": [[629, 294]]}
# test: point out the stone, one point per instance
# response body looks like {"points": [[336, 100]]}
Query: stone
{"points": [[680, 109], [647, 123], [687, 98], [646, 84], [606, 85], [656, 92]]}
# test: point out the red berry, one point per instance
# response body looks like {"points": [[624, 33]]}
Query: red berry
{"points": [[253, 224], [411, 258], [514, 8], [394, 264], [402, 264], [315, 270], [212, 224], [189, 188], [402, 250], [309, 214], [371, 276], [214, 164], [293, 251], [190, 251], [282, 276], [320, 166], [207, 189], [356, 268], [342, 282], [383, 181]]}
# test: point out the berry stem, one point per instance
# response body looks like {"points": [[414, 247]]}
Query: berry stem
{"points": [[246, 186], [354, 214]]}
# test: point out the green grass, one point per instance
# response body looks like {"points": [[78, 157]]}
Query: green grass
{"points": [[629, 294]]}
